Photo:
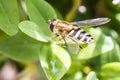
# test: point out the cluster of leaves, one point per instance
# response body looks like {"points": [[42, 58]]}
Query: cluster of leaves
{"points": [[25, 37]]}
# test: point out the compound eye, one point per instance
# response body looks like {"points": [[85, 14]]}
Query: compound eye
{"points": [[51, 27], [52, 24]]}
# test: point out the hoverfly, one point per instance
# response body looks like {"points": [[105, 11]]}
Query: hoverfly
{"points": [[73, 30]]}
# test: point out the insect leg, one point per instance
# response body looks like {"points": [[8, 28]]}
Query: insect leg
{"points": [[80, 47], [77, 45], [65, 41]]}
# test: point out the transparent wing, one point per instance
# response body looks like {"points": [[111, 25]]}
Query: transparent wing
{"points": [[72, 45], [92, 22]]}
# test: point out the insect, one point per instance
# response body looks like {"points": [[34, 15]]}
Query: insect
{"points": [[74, 31]]}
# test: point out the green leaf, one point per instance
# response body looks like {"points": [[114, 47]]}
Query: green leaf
{"points": [[40, 12], [114, 66], [91, 76], [2, 35], [45, 9], [9, 16], [2, 58], [102, 45], [112, 56], [111, 71], [55, 61], [20, 48], [32, 30], [110, 32], [59, 52]]}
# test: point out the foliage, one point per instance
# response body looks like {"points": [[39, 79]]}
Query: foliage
{"points": [[26, 38]]}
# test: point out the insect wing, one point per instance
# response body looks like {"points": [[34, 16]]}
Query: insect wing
{"points": [[92, 22], [72, 45]]}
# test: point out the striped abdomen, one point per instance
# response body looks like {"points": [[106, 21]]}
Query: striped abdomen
{"points": [[81, 35]]}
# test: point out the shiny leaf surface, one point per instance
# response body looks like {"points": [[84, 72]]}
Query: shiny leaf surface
{"points": [[55, 61], [33, 30], [40, 12]]}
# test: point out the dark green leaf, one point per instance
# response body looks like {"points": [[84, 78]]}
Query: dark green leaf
{"points": [[2, 58], [20, 48]]}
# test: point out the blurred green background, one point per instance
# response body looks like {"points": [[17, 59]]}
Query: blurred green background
{"points": [[29, 52]]}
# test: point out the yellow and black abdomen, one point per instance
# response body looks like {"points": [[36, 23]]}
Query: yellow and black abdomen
{"points": [[81, 35]]}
